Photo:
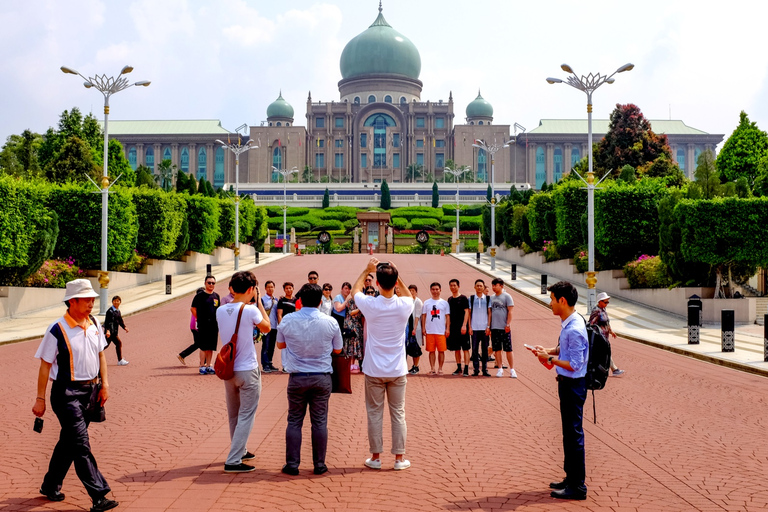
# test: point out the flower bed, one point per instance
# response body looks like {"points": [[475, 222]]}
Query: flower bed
{"points": [[55, 274]]}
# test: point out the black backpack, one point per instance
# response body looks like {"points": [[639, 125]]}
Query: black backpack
{"points": [[598, 362]]}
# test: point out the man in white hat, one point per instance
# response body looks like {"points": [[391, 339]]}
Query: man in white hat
{"points": [[72, 356], [599, 317]]}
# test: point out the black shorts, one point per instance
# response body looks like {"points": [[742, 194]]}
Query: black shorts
{"points": [[458, 342], [501, 340], [207, 339]]}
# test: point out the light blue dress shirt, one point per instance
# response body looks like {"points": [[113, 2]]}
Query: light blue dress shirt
{"points": [[309, 338], [574, 346]]}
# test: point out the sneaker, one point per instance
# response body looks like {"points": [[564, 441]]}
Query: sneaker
{"points": [[373, 464], [466, 371], [500, 373], [618, 373], [210, 371], [414, 370], [203, 370], [491, 359], [181, 360], [513, 373], [122, 362], [103, 504], [248, 456], [52, 496], [402, 464], [238, 468], [266, 369], [457, 372]]}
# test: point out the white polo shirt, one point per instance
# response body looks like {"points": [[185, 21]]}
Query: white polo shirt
{"points": [[73, 351]]}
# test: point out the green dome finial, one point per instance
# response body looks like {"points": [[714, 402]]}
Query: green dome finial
{"points": [[479, 107], [280, 108]]}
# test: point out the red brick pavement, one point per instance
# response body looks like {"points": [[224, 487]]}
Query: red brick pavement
{"points": [[673, 434]]}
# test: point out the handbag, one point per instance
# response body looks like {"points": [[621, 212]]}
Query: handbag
{"points": [[341, 377], [412, 347], [225, 359]]}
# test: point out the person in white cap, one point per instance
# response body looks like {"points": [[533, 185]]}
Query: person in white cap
{"points": [[599, 317], [72, 356]]}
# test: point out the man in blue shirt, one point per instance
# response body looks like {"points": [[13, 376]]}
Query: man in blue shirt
{"points": [[307, 338], [569, 358]]}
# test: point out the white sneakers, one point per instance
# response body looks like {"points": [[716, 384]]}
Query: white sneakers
{"points": [[399, 464], [512, 373], [500, 373], [122, 362]]}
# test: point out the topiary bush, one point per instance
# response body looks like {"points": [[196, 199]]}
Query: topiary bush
{"points": [[541, 219], [400, 223], [647, 272], [411, 212], [160, 215], [203, 214], [420, 223], [570, 205]]}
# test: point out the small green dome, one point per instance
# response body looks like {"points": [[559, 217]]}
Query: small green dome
{"points": [[380, 50], [280, 108], [479, 107]]}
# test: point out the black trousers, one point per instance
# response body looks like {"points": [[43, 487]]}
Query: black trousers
{"points": [[71, 405], [194, 346], [573, 393], [268, 348], [312, 391], [479, 339], [114, 338]]}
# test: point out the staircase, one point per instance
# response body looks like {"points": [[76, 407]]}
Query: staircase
{"points": [[762, 309]]}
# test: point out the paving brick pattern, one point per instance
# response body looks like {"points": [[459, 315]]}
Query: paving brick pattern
{"points": [[673, 434]]}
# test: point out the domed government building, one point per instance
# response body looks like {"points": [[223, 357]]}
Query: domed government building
{"points": [[379, 129]]}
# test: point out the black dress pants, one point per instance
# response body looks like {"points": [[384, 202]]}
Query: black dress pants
{"points": [[573, 393], [479, 350], [71, 404]]}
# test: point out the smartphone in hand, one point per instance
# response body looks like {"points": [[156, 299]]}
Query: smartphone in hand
{"points": [[38, 427]]}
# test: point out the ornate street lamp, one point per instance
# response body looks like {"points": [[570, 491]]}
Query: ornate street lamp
{"points": [[107, 86], [285, 173], [492, 149], [456, 173], [588, 84]]}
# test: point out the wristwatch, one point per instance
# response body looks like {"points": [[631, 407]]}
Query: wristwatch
{"points": [[549, 359]]}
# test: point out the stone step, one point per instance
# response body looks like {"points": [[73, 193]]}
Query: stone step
{"points": [[761, 307]]}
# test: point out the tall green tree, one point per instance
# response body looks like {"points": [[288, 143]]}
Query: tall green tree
{"points": [[144, 177], [435, 196], [326, 198], [165, 174], [386, 198], [413, 172], [18, 156], [707, 182], [629, 141], [742, 152], [73, 162]]}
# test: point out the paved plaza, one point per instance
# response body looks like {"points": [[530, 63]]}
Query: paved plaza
{"points": [[673, 434]]}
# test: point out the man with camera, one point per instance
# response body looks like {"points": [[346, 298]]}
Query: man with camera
{"points": [[72, 356]]}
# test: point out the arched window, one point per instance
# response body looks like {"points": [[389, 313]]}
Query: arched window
{"points": [[202, 169], [287, 124], [184, 159], [387, 99], [277, 161], [480, 122], [482, 165], [167, 153], [371, 99], [558, 161], [681, 159], [218, 171], [149, 158], [380, 123], [403, 101], [541, 168], [357, 100], [575, 156], [132, 157], [279, 123]]}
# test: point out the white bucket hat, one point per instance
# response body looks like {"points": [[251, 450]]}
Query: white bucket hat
{"points": [[602, 296], [79, 289]]}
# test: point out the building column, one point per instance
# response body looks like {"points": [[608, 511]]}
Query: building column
{"points": [[210, 162], [139, 154], [567, 159], [530, 164], [175, 160], [192, 148], [690, 167], [158, 156], [550, 163]]}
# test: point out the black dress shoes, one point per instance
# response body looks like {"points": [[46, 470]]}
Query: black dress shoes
{"points": [[290, 470], [570, 493], [53, 496], [320, 469], [558, 485], [103, 504]]}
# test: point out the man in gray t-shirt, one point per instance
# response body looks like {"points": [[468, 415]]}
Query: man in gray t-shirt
{"points": [[500, 319]]}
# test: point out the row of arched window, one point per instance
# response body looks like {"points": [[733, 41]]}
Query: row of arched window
{"points": [[202, 161], [387, 99], [557, 161]]}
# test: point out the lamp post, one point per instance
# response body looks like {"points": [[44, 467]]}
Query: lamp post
{"points": [[285, 173], [588, 84], [456, 173], [492, 149], [237, 149], [106, 86]]}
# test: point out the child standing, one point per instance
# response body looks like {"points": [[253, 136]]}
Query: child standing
{"points": [[112, 322]]}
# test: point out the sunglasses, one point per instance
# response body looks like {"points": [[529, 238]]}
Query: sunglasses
{"points": [[313, 278], [370, 293], [327, 289], [210, 282]]}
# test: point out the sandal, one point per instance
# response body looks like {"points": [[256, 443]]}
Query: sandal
{"points": [[431, 372], [439, 372]]}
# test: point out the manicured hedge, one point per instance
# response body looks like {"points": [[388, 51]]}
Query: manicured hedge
{"points": [[160, 216], [226, 222], [79, 211], [419, 223], [293, 211], [570, 208], [412, 212], [469, 223], [400, 222], [470, 210], [541, 219], [203, 214]]}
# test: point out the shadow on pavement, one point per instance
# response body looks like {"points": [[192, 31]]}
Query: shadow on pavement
{"points": [[512, 501]]}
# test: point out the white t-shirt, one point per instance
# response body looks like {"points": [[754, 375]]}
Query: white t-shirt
{"points": [[479, 320], [386, 320], [245, 353], [436, 311], [418, 305]]}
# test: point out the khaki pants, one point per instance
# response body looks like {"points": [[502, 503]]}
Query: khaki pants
{"points": [[375, 390]]}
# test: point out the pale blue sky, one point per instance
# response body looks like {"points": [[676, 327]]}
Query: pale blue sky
{"points": [[228, 59]]}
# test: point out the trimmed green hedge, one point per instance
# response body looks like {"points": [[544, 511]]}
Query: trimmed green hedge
{"points": [[570, 209], [293, 211], [160, 216], [203, 215], [400, 222], [226, 223], [422, 212], [465, 223], [541, 219], [419, 223], [79, 211], [471, 210]]}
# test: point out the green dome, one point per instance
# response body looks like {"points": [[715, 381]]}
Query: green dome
{"points": [[479, 108], [280, 108], [380, 50]]}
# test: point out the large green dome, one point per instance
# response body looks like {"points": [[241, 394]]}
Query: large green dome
{"points": [[280, 108], [479, 107], [380, 50]]}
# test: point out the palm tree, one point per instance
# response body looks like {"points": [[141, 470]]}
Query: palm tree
{"points": [[413, 172], [164, 177]]}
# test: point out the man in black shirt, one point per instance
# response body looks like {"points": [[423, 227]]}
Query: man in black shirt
{"points": [[287, 304], [204, 307], [458, 340]]}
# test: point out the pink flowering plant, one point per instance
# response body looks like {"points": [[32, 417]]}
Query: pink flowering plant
{"points": [[581, 260], [550, 251], [55, 274], [647, 272]]}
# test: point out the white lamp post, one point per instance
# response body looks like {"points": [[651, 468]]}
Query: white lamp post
{"points": [[107, 86], [456, 173], [285, 173], [588, 84], [237, 149], [492, 149]]}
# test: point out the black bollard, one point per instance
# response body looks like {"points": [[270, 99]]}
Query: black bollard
{"points": [[477, 258], [208, 269], [543, 284], [693, 325], [168, 284], [728, 324], [513, 272], [257, 257], [765, 338]]}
